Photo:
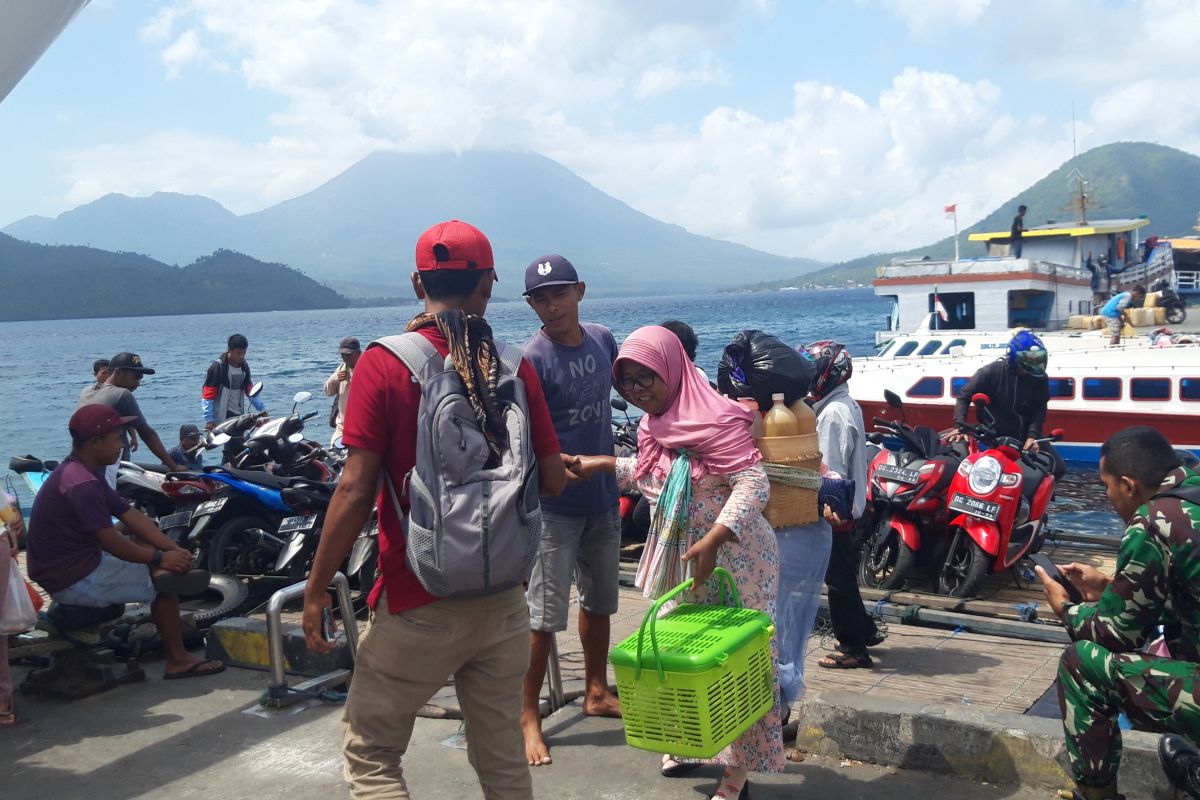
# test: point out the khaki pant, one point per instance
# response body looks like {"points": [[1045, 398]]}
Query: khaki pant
{"points": [[404, 659]]}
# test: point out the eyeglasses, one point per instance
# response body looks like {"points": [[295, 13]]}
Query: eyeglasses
{"points": [[643, 381]]}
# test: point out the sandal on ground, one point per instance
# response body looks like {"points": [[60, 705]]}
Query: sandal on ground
{"points": [[845, 661], [876, 638], [725, 790], [198, 670], [673, 769], [7, 719]]}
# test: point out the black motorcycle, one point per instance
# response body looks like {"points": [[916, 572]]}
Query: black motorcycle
{"points": [[1170, 300]]}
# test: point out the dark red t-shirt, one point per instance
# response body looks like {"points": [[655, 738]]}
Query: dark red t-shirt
{"points": [[381, 416], [72, 506]]}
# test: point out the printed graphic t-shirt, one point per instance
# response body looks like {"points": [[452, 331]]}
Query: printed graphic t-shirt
{"points": [[381, 416], [578, 382]]}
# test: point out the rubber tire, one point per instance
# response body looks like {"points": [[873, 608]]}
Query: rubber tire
{"points": [[978, 567], [902, 569], [233, 592], [1176, 314], [221, 540]]}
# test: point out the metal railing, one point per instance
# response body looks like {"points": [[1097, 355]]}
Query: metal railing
{"points": [[279, 694]]}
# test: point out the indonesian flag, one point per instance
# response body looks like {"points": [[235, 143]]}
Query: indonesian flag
{"points": [[951, 209], [938, 307]]}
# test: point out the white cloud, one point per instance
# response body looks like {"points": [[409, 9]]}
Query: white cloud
{"points": [[664, 78], [925, 18]]}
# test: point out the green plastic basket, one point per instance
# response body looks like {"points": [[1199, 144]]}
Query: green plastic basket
{"points": [[705, 678]]}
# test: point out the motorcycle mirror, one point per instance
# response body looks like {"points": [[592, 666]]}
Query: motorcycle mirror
{"points": [[219, 439], [875, 438], [1057, 434], [892, 399], [336, 444], [296, 438], [302, 397], [255, 389], [980, 399], [619, 404]]}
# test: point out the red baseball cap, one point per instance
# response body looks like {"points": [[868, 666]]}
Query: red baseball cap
{"points": [[454, 245], [96, 420]]}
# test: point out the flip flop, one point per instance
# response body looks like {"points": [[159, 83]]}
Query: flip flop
{"points": [[7, 719], [193, 582], [194, 671], [673, 769], [845, 661]]}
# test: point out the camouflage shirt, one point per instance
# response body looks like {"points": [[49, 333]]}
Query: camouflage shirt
{"points": [[1157, 580]]}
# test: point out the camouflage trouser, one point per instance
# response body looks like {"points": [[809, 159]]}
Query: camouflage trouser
{"points": [[1096, 685]]}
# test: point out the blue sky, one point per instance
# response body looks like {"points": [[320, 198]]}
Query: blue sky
{"points": [[821, 129]]}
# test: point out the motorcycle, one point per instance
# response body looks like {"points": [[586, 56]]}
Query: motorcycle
{"points": [[279, 445], [634, 508], [303, 534], [1000, 495], [145, 486], [906, 514], [1171, 301]]}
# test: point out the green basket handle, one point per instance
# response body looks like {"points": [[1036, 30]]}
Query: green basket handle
{"points": [[728, 590]]}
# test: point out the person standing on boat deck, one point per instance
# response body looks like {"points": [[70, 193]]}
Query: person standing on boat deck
{"points": [[842, 437], [125, 371], [1018, 393], [1115, 310], [226, 387], [581, 528], [1106, 669], [339, 382], [1018, 233]]}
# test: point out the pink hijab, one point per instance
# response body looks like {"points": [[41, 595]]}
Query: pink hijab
{"points": [[715, 429]]}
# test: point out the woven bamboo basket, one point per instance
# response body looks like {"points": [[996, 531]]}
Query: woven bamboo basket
{"points": [[791, 505]]}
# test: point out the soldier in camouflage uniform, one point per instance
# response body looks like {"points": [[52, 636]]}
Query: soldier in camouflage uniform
{"points": [[1157, 582]]}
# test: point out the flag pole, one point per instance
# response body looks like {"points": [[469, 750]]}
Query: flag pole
{"points": [[956, 231]]}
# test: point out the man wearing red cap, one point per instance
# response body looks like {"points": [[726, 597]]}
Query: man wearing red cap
{"points": [[80, 557], [416, 641]]}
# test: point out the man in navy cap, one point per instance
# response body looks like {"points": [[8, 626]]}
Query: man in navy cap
{"points": [[581, 528], [125, 371]]}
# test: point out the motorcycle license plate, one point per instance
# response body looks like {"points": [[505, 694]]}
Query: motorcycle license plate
{"points": [[211, 506], [984, 509], [176, 520], [898, 474], [297, 523]]}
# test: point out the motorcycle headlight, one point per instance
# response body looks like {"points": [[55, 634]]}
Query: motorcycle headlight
{"points": [[985, 475]]}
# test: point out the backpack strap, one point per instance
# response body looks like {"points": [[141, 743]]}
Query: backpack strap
{"points": [[510, 357], [415, 351], [1189, 494]]}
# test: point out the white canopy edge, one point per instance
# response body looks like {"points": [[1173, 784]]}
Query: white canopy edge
{"points": [[27, 29]]}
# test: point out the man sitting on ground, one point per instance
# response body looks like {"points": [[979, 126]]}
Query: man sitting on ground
{"points": [[80, 557], [1105, 670]]}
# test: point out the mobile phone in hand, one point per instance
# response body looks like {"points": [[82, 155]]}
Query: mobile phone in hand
{"points": [[1045, 563], [327, 624]]}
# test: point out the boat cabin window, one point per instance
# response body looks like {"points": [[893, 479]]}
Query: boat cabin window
{"points": [[929, 386], [1189, 389], [1150, 388], [1030, 308], [956, 386], [930, 347], [1101, 388], [906, 349], [954, 343], [883, 350], [960, 311], [1061, 388]]}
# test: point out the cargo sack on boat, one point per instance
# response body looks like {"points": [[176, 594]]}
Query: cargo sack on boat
{"points": [[757, 364]]}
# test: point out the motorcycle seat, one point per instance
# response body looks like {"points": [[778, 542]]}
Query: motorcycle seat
{"points": [[74, 618], [260, 478], [929, 439], [159, 468], [22, 464]]}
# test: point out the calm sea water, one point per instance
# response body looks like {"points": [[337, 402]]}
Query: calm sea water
{"points": [[47, 363]]}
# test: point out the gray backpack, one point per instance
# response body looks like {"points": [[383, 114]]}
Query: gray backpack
{"points": [[472, 530]]}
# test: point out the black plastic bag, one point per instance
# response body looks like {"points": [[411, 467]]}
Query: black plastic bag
{"points": [[758, 365]]}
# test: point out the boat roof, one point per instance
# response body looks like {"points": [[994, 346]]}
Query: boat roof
{"points": [[1186, 243], [26, 30], [1072, 229]]}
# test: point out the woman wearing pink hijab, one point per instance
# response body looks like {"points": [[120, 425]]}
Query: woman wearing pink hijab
{"points": [[692, 438]]}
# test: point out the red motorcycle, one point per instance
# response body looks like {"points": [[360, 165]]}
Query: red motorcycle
{"points": [[1000, 494], [906, 502]]}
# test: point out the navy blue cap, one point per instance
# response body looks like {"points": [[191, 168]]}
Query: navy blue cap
{"points": [[551, 270]]}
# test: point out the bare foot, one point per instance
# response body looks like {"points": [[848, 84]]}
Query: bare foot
{"points": [[536, 749], [604, 704]]}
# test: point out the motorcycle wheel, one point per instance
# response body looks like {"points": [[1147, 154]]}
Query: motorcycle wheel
{"points": [[1176, 314], [965, 567], [225, 595], [887, 565], [236, 549]]}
